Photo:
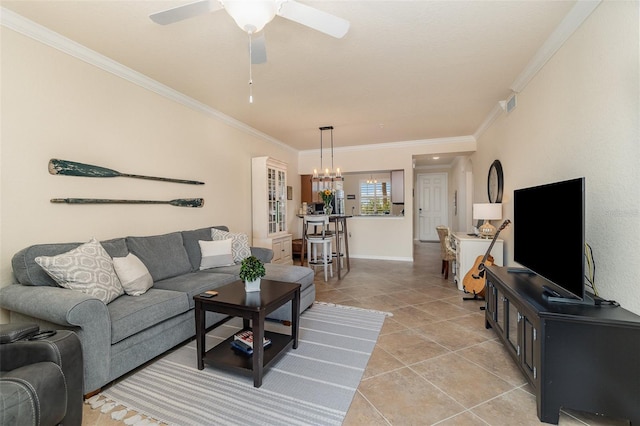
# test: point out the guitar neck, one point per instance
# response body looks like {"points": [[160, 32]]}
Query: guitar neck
{"points": [[495, 237], [486, 255]]}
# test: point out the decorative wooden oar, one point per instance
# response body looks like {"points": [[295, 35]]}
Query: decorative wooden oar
{"points": [[180, 202], [71, 168]]}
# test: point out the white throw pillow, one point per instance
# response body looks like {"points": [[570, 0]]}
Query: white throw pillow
{"points": [[240, 246], [87, 268], [215, 253], [133, 274]]}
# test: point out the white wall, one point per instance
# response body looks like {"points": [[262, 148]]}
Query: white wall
{"points": [[56, 106], [580, 117]]}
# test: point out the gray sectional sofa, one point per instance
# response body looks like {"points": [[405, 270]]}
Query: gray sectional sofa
{"points": [[131, 330]]}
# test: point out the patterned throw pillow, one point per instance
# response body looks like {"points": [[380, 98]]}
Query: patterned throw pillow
{"points": [[87, 268], [240, 245], [134, 276], [215, 253]]}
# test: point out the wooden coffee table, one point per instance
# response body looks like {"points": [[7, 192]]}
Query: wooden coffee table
{"points": [[253, 308]]}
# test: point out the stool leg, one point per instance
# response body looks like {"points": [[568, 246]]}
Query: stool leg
{"points": [[329, 259], [325, 260]]}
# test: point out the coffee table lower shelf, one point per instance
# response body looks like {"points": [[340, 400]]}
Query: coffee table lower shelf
{"points": [[223, 356]]}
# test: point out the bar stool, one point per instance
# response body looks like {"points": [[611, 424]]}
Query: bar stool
{"points": [[315, 239], [339, 233]]}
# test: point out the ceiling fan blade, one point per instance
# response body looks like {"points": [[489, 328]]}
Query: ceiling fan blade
{"points": [[314, 18], [186, 11], [258, 49]]}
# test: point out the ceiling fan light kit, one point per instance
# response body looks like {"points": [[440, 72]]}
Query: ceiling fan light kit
{"points": [[251, 16]]}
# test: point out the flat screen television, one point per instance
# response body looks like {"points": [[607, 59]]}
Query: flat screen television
{"points": [[548, 235]]}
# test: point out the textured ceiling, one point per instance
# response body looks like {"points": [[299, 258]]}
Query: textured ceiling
{"points": [[406, 70]]}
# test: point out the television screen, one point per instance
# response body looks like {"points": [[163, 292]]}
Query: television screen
{"points": [[548, 233]]}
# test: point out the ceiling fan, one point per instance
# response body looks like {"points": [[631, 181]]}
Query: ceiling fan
{"points": [[252, 15]]}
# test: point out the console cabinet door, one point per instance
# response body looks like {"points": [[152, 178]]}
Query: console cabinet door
{"points": [[529, 348]]}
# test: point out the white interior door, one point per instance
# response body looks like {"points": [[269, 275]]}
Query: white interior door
{"points": [[432, 205]]}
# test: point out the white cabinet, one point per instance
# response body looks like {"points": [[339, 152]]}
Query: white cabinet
{"points": [[269, 204], [282, 250], [468, 248]]}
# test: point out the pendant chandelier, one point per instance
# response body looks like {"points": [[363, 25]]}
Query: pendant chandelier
{"points": [[329, 175]]}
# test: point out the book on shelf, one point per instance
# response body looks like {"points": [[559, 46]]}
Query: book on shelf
{"points": [[245, 349], [246, 337], [241, 347]]}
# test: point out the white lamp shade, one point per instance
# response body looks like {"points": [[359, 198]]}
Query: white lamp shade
{"points": [[487, 211], [251, 15]]}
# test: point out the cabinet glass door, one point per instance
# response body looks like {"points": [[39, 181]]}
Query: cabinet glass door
{"points": [[272, 192], [276, 197], [513, 317], [500, 317], [282, 203]]}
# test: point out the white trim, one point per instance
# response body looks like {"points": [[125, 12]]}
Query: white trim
{"points": [[26, 27], [493, 116], [393, 145], [396, 258]]}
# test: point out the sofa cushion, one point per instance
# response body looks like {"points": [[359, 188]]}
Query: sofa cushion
{"points": [[130, 315], [28, 272], [87, 268], [134, 276], [216, 254], [276, 272], [190, 240], [195, 283], [290, 274], [163, 255]]}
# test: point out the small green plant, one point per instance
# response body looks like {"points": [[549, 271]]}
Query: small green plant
{"points": [[251, 269]]}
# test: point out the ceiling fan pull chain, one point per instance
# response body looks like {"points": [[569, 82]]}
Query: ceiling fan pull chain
{"points": [[250, 74]]}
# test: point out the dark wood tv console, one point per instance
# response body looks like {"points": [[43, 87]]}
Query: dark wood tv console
{"points": [[580, 357]]}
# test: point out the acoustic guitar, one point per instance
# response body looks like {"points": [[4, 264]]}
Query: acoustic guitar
{"points": [[474, 281]]}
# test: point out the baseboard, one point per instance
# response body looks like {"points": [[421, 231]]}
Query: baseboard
{"points": [[398, 259]]}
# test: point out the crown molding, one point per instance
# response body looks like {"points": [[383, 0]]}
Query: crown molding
{"points": [[26, 27], [394, 145], [493, 116]]}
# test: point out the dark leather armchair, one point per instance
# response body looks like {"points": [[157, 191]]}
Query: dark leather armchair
{"points": [[41, 380]]}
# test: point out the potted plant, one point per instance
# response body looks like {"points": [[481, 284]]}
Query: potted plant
{"points": [[251, 270]]}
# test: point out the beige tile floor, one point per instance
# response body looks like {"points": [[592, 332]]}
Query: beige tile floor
{"points": [[434, 363]]}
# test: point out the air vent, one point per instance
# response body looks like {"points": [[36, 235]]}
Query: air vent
{"points": [[511, 103]]}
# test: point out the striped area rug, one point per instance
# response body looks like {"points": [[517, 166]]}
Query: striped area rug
{"points": [[312, 385]]}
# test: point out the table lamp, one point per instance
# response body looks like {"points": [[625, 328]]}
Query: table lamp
{"points": [[487, 212]]}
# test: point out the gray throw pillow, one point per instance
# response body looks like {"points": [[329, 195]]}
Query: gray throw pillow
{"points": [[87, 268]]}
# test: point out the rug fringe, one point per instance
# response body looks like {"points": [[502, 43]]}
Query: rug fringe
{"points": [[106, 405], [355, 308], [120, 414]]}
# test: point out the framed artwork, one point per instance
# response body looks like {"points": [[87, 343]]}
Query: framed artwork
{"points": [[289, 193]]}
